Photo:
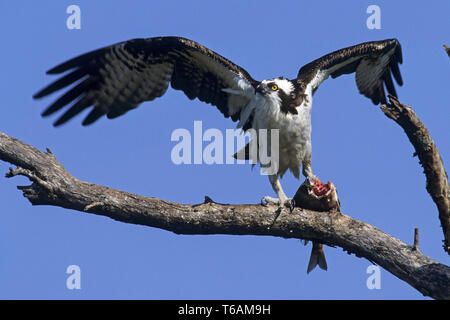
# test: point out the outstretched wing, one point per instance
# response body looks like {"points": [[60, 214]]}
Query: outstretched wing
{"points": [[116, 79], [374, 63]]}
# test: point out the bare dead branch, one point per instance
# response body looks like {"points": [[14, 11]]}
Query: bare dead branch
{"points": [[416, 239], [53, 185], [429, 157]]}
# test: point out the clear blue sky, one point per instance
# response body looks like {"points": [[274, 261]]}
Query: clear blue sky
{"points": [[365, 154]]}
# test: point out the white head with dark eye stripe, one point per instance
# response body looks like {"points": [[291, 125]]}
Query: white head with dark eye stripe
{"points": [[274, 86], [282, 92]]}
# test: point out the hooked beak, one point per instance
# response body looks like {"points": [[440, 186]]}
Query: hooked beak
{"points": [[260, 89]]}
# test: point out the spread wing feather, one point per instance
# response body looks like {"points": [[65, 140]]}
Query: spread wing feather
{"points": [[117, 78], [373, 62]]}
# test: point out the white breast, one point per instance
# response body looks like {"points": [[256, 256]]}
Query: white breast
{"points": [[294, 130]]}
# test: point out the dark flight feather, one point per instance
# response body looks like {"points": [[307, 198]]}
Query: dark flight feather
{"points": [[121, 76], [373, 62], [68, 97]]}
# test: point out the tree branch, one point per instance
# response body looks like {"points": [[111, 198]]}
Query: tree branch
{"points": [[53, 185], [429, 157]]}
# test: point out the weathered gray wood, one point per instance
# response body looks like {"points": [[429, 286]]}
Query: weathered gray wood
{"points": [[429, 158]]}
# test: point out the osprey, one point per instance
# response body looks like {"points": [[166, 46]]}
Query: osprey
{"points": [[117, 78]]}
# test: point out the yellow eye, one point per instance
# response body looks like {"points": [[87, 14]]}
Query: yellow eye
{"points": [[274, 87]]}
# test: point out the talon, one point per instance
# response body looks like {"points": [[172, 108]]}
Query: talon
{"points": [[291, 205], [264, 202], [287, 203], [269, 200], [277, 214], [276, 201], [312, 180]]}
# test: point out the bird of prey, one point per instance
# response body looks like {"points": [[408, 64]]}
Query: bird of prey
{"points": [[118, 78]]}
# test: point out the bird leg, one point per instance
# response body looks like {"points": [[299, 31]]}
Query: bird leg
{"points": [[282, 199], [307, 172]]}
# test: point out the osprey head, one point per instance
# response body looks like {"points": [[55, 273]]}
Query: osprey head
{"points": [[275, 86], [282, 91]]}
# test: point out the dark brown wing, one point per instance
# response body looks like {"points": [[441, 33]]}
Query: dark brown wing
{"points": [[374, 63], [116, 79]]}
